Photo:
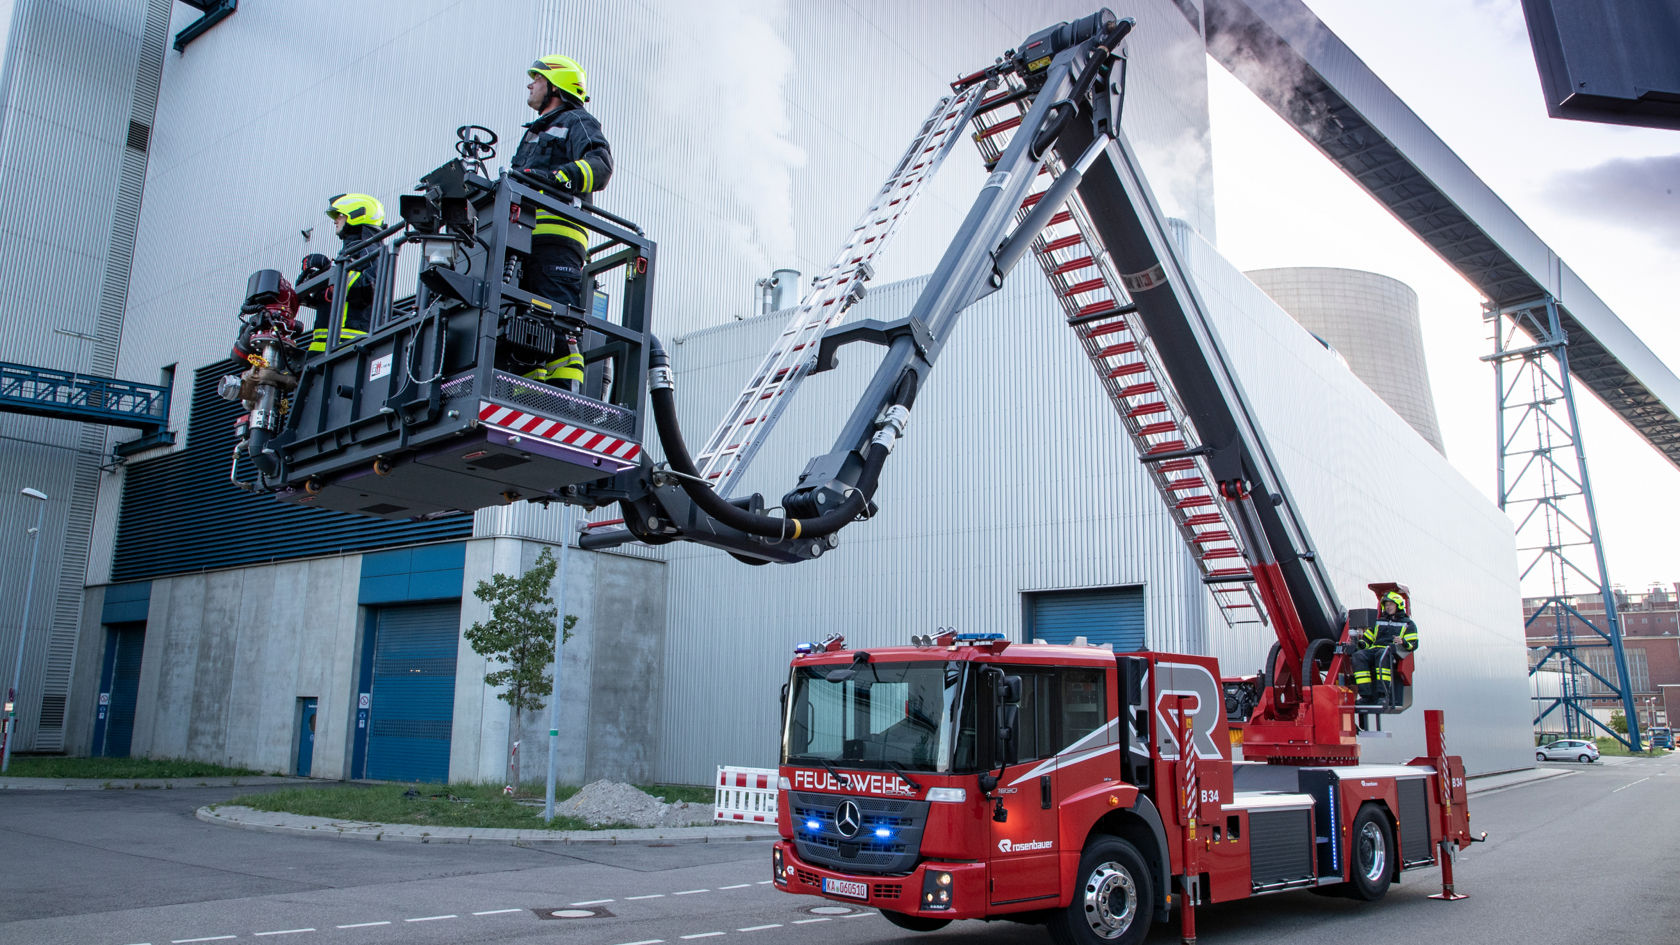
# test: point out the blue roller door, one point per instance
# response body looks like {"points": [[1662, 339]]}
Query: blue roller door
{"points": [[1107, 615], [413, 692]]}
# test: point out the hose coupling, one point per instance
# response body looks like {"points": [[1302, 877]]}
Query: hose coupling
{"points": [[889, 426], [661, 378]]}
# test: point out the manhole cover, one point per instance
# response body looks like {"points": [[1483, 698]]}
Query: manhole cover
{"points": [[831, 910], [572, 912]]}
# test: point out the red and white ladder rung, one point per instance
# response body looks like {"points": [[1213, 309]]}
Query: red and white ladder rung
{"points": [[1124, 357], [771, 387]]}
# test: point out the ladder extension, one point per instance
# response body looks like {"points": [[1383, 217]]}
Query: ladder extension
{"points": [[744, 426], [1121, 352]]}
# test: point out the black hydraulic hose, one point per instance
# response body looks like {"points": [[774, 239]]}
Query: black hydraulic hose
{"points": [[663, 399]]}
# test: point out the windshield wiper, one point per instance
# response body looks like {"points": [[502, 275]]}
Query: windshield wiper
{"points": [[903, 773]]}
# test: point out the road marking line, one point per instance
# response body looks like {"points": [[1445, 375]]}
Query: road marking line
{"points": [[210, 938], [690, 892], [765, 882], [823, 918], [1629, 784], [736, 886], [432, 918], [702, 935], [859, 915], [593, 902], [652, 896], [646, 941], [285, 932], [760, 928], [364, 925], [498, 911]]}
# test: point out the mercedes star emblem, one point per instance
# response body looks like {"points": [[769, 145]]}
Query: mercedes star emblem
{"points": [[847, 819]]}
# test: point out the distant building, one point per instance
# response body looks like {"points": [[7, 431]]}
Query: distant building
{"points": [[1371, 320], [1650, 639]]}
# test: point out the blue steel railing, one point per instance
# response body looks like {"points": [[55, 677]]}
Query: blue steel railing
{"points": [[45, 392]]}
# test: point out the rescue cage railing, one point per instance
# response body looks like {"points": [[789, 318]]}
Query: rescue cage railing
{"points": [[475, 264]]}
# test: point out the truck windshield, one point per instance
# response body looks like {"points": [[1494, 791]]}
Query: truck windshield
{"points": [[916, 716]]}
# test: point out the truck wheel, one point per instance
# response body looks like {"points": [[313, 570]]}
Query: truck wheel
{"points": [[914, 923], [1373, 845], [1114, 903]]}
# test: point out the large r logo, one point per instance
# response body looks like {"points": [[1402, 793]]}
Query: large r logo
{"points": [[1199, 696]]}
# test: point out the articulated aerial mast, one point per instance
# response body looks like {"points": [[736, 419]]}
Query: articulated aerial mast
{"points": [[427, 414]]}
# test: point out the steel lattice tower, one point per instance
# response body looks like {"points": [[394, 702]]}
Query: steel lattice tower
{"points": [[1544, 487]]}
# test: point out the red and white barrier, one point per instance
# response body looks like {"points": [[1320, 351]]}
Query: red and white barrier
{"points": [[746, 795]]}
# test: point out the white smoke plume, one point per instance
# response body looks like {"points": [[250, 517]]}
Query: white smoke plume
{"points": [[723, 73]]}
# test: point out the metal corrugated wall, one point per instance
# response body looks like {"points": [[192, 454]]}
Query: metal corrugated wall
{"points": [[180, 514], [72, 176]]}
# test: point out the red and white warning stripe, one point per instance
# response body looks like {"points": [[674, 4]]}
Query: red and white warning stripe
{"points": [[545, 428]]}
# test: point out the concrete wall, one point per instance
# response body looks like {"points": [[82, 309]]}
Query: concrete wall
{"points": [[229, 653], [610, 672]]}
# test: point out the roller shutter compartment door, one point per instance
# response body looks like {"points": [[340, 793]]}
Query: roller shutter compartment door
{"points": [[413, 702], [1106, 615]]}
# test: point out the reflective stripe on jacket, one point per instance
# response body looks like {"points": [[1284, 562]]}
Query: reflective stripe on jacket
{"points": [[567, 145]]}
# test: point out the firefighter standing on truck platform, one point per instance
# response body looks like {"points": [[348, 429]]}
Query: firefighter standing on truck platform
{"points": [[563, 147], [1371, 674], [355, 218]]}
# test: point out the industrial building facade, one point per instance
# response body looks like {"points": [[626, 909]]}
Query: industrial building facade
{"points": [[218, 627]]}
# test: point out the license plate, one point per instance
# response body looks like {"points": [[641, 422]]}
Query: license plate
{"points": [[845, 887]]}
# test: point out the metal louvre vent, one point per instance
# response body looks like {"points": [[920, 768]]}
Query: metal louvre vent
{"points": [[1414, 821], [139, 135], [1281, 846], [562, 405], [866, 852]]}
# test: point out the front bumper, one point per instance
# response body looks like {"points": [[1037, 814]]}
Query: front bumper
{"points": [[902, 893]]}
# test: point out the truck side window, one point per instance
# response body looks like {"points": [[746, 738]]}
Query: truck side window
{"points": [[1083, 704]]}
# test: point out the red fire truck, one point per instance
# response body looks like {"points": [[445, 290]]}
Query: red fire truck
{"points": [[970, 777]]}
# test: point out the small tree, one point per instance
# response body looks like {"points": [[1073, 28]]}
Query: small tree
{"points": [[1618, 721], [520, 636]]}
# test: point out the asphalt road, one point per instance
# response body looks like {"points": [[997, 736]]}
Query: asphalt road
{"points": [[1586, 858]]}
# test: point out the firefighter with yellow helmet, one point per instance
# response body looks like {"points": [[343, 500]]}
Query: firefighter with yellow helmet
{"points": [[1373, 674], [565, 148], [355, 218]]}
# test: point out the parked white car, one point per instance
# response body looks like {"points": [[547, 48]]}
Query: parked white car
{"points": [[1567, 749]]}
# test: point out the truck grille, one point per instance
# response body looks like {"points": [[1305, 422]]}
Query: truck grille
{"points": [[864, 853]]}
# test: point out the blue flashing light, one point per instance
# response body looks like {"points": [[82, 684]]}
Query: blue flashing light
{"points": [[815, 826], [978, 637], [883, 833], [804, 648]]}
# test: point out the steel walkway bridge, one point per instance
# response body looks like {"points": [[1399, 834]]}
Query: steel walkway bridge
{"points": [[1549, 328], [66, 395]]}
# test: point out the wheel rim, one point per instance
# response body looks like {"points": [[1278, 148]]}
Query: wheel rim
{"points": [[1373, 851], [1111, 902]]}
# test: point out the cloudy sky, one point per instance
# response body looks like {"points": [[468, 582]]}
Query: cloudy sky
{"points": [[1606, 198]]}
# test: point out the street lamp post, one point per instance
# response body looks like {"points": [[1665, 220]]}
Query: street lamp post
{"points": [[23, 628]]}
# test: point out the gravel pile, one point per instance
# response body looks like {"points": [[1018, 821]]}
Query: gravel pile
{"points": [[614, 802]]}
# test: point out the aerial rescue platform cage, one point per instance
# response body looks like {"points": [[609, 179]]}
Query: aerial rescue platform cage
{"points": [[429, 413]]}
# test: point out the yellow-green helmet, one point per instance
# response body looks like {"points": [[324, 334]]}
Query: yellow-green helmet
{"points": [[357, 209], [1399, 602], [563, 73]]}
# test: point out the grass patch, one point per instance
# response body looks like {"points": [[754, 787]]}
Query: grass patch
{"points": [[432, 805], [1609, 746], [673, 793], [120, 769]]}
